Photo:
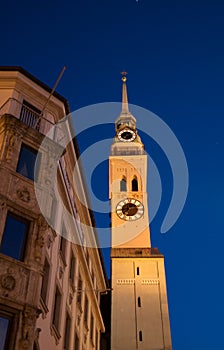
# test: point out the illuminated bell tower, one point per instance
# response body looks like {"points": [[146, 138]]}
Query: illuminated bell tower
{"points": [[139, 316]]}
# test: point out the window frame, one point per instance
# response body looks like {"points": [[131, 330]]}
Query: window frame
{"points": [[134, 184], [27, 223], [12, 316], [123, 184], [19, 165], [56, 320]]}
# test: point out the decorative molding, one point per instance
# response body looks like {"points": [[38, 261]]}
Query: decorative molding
{"points": [[13, 280], [30, 315], [11, 141], [150, 281], [126, 281], [40, 237], [8, 282], [23, 194]]}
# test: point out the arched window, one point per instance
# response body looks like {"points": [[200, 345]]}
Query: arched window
{"points": [[134, 184], [123, 185]]}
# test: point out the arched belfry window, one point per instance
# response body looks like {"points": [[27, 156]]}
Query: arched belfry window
{"points": [[123, 185], [134, 184]]}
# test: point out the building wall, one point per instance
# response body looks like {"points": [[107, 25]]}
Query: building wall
{"points": [[45, 275]]}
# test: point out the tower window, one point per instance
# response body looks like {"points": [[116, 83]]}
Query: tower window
{"points": [[14, 237], [134, 184], [138, 271], [123, 185], [139, 302], [140, 335], [26, 164]]}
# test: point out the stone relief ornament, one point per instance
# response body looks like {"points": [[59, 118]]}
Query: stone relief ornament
{"points": [[40, 237], [8, 282], [23, 194], [28, 324], [11, 140]]}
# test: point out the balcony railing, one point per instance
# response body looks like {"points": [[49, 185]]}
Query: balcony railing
{"points": [[27, 115]]}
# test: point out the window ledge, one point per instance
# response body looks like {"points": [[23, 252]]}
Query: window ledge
{"points": [[56, 334], [43, 308]]}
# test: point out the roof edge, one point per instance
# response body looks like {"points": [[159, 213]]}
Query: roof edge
{"points": [[37, 81]]}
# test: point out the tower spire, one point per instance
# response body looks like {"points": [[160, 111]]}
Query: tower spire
{"points": [[124, 93]]}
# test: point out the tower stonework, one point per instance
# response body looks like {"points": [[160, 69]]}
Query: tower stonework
{"points": [[139, 314]]}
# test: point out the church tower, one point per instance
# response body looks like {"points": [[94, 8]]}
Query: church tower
{"points": [[139, 316]]}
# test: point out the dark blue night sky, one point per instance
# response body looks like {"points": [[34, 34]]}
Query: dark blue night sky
{"points": [[174, 54]]}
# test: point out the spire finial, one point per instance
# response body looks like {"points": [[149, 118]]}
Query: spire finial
{"points": [[124, 78], [124, 93]]}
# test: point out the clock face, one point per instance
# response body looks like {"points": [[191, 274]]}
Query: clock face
{"points": [[126, 135], [130, 209]]}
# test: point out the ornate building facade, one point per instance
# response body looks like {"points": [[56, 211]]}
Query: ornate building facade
{"points": [[49, 286]]}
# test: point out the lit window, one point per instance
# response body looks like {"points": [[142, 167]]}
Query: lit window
{"points": [[27, 159], [14, 237], [57, 308], [67, 332], [45, 281]]}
